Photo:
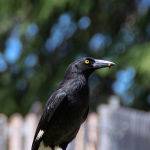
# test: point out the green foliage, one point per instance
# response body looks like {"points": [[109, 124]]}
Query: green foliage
{"points": [[119, 23], [139, 56]]}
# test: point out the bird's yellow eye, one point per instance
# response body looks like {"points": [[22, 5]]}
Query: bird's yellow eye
{"points": [[87, 62]]}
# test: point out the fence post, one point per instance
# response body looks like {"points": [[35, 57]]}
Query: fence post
{"points": [[79, 140], [30, 125], [105, 128], [15, 132], [92, 127], [3, 132]]}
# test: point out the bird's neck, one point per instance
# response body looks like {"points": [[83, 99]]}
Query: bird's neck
{"points": [[73, 72], [76, 84], [76, 76]]}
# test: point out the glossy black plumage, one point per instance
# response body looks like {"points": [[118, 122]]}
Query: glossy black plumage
{"points": [[68, 106]]}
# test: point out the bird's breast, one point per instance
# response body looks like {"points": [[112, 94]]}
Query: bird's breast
{"points": [[70, 114], [78, 97], [78, 102]]}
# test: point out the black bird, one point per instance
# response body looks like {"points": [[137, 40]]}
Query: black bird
{"points": [[68, 106]]}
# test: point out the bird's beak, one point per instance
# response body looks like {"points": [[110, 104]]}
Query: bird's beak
{"points": [[102, 64]]}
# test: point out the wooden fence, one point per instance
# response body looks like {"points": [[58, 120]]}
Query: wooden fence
{"points": [[112, 128]]}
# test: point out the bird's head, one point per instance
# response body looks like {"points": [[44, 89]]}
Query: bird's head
{"points": [[87, 65]]}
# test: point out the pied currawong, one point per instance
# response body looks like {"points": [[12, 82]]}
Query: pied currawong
{"points": [[68, 106]]}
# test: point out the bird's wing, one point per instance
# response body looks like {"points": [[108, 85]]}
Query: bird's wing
{"points": [[86, 114], [52, 104]]}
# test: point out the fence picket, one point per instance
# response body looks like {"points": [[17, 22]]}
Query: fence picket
{"points": [[15, 132], [30, 124], [3, 132], [123, 128], [79, 140], [92, 126], [113, 128]]}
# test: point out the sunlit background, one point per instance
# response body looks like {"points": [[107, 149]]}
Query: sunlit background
{"points": [[38, 40]]}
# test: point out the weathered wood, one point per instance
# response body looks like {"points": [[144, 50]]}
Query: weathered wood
{"points": [[123, 129], [30, 125], [92, 135], [79, 141], [3, 132], [71, 145], [113, 128], [15, 132], [104, 125]]}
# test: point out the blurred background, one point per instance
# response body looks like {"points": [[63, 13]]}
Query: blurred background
{"points": [[40, 38]]}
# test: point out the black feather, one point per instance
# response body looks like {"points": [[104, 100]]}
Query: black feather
{"points": [[67, 108]]}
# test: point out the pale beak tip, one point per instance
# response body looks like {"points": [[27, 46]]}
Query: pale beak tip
{"points": [[111, 64]]}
